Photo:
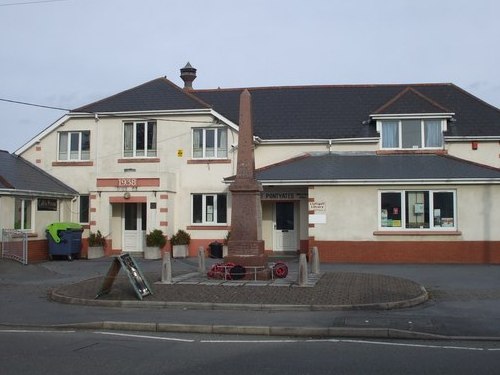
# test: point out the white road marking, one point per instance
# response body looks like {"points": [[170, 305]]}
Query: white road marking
{"points": [[144, 336], [33, 331]]}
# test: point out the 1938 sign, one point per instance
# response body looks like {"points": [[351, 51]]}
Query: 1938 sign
{"points": [[124, 182]]}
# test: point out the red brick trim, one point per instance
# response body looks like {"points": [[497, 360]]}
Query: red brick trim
{"points": [[163, 196], [38, 148], [38, 161], [137, 199], [417, 233], [139, 182], [93, 209], [163, 209], [164, 223], [209, 161], [443, 252], [208, 227], [72, 163], [138, 160]]}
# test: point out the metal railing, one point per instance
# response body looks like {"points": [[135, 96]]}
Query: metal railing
{"points": [[15, 245]]}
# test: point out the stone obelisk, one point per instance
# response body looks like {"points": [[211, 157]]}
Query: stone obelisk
{"points": [[245, 246]]}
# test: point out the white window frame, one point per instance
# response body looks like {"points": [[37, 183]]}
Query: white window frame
{"points": [[204, 209], [134, 139], [219, 152], [400, 133], [432, 227], [81, 155], [32, 215]]}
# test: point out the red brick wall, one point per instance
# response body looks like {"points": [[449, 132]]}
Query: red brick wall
{"points": [[38, 251], [473, 252]]}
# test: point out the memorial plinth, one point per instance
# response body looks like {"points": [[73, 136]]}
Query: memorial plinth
{"points": [[246, 246]]}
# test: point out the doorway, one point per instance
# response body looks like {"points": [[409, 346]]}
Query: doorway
{"points": [[285, 231], [134, 226]]}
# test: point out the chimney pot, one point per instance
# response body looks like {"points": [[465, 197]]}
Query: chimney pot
{"points": [[188, 75]]}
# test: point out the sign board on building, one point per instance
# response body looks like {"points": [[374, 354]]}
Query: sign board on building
{"points": [[317, 206], [279, 196], [44, 204], [317, 219], [124, 182]]}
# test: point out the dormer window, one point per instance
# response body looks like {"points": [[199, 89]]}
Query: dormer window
{"points": [[411, 133]]}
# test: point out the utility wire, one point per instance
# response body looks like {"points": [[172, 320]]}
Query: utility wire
{"points": [[97, 114], [33, 105], [31, 2]]}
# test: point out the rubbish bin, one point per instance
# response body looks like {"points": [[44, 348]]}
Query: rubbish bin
{"points": [[64, 239], [215, 249]]}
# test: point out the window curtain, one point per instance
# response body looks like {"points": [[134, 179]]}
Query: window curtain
{"points": [[432, 133], [390, 134], [63, 146], [197, 145], [151, 139], [222, 143], [128, 140]]}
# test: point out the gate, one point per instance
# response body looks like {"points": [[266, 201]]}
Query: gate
{"points": [[15, 245]]}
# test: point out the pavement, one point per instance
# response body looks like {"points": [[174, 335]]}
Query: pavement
{"points": [[343, 300]]}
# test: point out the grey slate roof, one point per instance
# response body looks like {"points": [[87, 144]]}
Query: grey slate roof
{"points": [[315, 112], [18, 174], [332, 167], [158, 94], [336, 112]]}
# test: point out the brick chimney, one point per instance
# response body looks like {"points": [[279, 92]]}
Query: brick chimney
{"points": [[188, 75]]}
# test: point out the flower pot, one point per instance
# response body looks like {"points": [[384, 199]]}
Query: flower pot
{"points": [[152, 252], [95, 252], [180, 251]]}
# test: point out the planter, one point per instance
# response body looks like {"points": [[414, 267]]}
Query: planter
{"points": [[152, 252], [179, 251], [95, 252]]}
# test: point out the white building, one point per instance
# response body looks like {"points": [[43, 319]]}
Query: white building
{"points": [[368, 173]]}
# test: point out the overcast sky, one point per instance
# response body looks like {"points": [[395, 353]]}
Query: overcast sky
{"points": [[67, 53]]}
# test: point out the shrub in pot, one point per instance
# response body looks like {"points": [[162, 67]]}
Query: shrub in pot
{"points": [[155, 240], [96, 242], [180, 244]]}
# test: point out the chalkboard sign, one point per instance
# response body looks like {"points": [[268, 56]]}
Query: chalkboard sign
{"points": [[137, 279]]}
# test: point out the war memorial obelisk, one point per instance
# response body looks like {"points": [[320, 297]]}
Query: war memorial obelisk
{"points": [[245, 246]]}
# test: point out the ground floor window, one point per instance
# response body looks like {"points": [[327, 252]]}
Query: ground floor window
{"points": [[209, 208], [84, 208], [23, 214], [422, 209]]}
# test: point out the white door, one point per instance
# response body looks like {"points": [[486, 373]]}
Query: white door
{"points": [[285, 227], [134, 226]]}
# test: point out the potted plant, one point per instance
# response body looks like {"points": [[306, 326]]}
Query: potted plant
{"points": [[180, 242], [155, 240], [96, 243]]}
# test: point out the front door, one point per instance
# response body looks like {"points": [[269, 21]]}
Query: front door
{"points": [[134, 226], [285, 227]]}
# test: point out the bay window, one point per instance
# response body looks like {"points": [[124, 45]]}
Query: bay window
{"points": [[74, 145], [209, 208], [411, 133], [139, 139], [422, 210], [209, 143]]}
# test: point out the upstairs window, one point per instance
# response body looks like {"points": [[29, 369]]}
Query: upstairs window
{"points": [[74, 145], [412, 134], [139, 139], [210, 143]]}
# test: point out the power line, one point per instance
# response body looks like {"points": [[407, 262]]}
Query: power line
{"points": [[143, 118], [33, 104], [31, 2]]}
